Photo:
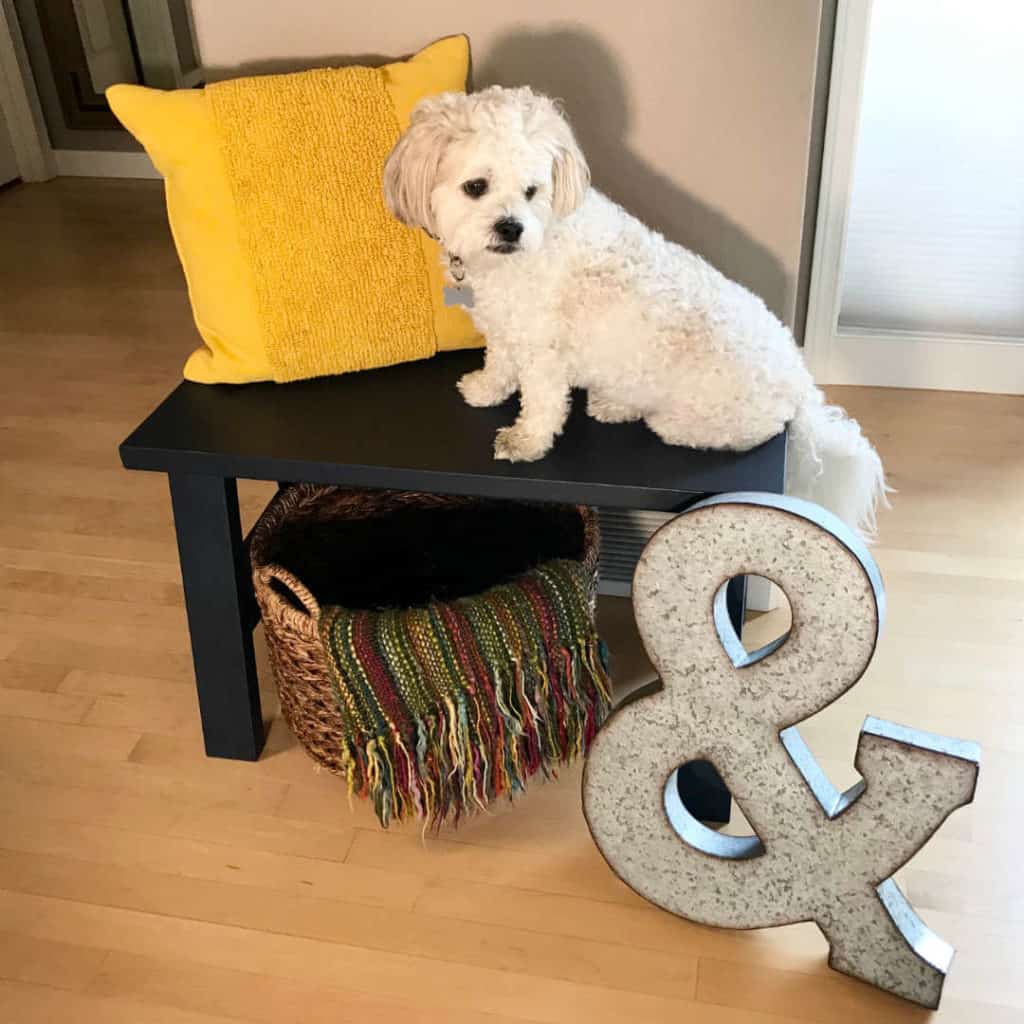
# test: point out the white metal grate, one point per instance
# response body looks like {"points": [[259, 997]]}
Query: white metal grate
{"points": [[624, 534]]}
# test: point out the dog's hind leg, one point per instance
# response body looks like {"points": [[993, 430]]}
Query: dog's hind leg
{"points": [[606, 410], [544, 392], [691, 431]]}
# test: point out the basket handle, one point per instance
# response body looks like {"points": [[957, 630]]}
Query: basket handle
{"points": [[297, 588]]}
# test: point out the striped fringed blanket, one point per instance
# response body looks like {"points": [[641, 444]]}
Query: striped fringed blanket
{"points": [[451, 705]]}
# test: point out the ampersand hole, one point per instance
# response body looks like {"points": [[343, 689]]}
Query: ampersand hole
{"points": [[693, 831], [753, 618]]}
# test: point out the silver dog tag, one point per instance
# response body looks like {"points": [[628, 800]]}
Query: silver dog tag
{"points": [[461, 296]]}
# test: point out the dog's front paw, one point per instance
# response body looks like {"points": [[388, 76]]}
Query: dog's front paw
{"points": [[518, 445], [481, 390]]}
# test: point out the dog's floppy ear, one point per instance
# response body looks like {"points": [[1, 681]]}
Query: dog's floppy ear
{"points": [[570, 173], [411, 169]]}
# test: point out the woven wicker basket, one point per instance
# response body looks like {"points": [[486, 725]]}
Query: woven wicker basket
{"points": [[316, 546]]}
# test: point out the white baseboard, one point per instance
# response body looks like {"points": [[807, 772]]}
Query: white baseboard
{"points": [[84, 163], [899, 359]]}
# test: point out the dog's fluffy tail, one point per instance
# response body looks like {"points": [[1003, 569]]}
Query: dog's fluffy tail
{"points": [[832, 463]]}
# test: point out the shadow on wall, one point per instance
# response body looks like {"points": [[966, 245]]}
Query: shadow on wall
{"points": [[574, 65]]}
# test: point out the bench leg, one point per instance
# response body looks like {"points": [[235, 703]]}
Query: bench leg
{"points": [[703, 793], [736, 602], [218, 599]]}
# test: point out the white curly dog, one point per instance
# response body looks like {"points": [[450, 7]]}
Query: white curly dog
{"points": [[571, 291]]}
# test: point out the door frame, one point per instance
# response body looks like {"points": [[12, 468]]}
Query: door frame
{"points": [[20, 102], [880, 358]]}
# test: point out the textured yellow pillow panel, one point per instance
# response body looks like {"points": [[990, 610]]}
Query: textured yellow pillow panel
{"points": [[295, 268]]}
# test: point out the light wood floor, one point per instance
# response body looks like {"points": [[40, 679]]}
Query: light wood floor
{"points": [[143, 884]]}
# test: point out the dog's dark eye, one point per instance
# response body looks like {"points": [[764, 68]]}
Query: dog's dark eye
{"points": [[475, 188], [530, 192]]}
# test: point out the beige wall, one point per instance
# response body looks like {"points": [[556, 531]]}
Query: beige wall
{"points": [[695, 114]]}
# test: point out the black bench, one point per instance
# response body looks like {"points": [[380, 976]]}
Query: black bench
{"points": [[405, 428]]}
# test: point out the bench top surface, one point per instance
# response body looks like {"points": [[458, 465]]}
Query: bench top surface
{"points": [[406, 427]]}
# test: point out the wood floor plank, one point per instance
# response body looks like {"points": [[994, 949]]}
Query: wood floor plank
{"points": [[26, 736], [30, 1003], [269, 1000], [44, 962], [47, 706], [97, 655], [112, 780], [828, 999], [153, 554], [172, 714], [443, 985], [583, 872], [145, 592], [587, 960], [798, 948], [73, 803], [27, 675], [253, 868], [38, 559], [264, 832], [65, 483], [119, 623], [123, 685]]}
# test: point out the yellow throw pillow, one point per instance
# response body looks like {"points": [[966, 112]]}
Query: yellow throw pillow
{"points": [[295, 268]]}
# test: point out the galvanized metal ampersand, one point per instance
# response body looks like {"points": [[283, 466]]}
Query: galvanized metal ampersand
{"points": [[818, 854]]}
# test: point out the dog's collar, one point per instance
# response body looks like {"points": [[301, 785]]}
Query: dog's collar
{"points": [[455, 265]]}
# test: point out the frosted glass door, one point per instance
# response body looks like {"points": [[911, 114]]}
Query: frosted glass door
{"points": [[935, 237]]}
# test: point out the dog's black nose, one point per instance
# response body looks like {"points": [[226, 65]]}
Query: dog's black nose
{"points": [[508, 229]]}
